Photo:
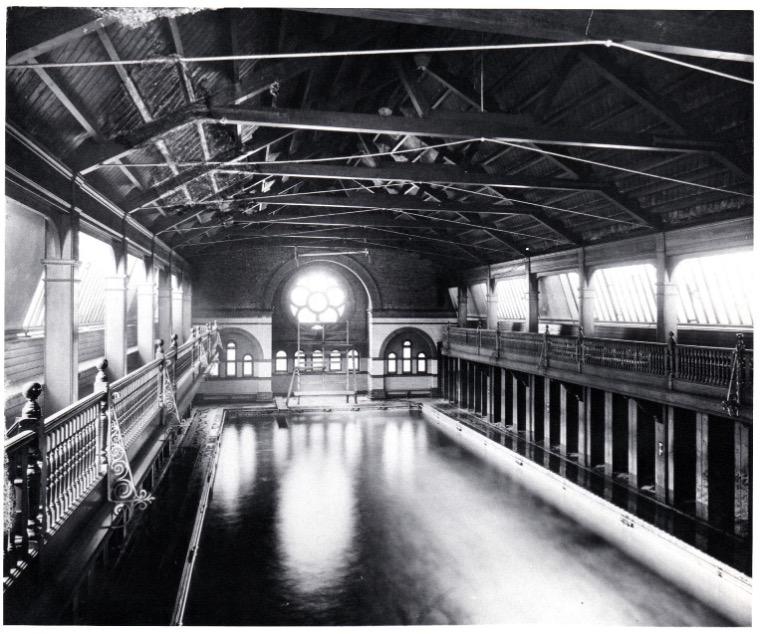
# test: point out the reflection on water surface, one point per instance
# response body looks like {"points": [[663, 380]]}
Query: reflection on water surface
{"points": [[378, 518]]}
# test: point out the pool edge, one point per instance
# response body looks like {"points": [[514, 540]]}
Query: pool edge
{"points": [[723, 588]]}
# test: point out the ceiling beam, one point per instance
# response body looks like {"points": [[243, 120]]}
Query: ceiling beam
{"points": [[460, 125], [260, 140], [727, 37], [412, 173]]}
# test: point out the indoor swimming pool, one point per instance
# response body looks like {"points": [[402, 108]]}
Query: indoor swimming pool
{"points": [[379, 518]]}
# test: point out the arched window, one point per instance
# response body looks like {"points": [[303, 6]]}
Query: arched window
{"points": [[231, 359], [391, 363], [353, 360], [335, 365], [317, 360], [421, 369], [300, 359], [247, 365], [280, 365], [407, 357]]}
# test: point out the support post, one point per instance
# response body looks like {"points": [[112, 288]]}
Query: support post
{"points": [[145, 321], [562, 422], [515, 402], [533, 305], [491, 304], [633, 443], [742, 480], [587, 299], [547, 413], [666, 294], [177, 310], [164, 305], [462, 306], [660, 459], [670, 435], [61, 332], [608, 435], [503, 413], [186, 310], [115, 314], [701, 480], [584, 427], [529, 414]]}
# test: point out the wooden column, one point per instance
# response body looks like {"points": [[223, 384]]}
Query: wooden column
{"points": [[666, 295], [462, 306], [515, 387], [491, 305], [186, 310], [530, 409], [742, 478], [701, 482], [661, 457], [177, 312], [547, 413], [61, 333], [608, 435], [145, 334], [587, 299], [164, 306], [633, 443], [562, 422], [503, 413], [532, 301], [670, 466], [115, 314], [584, 428]]}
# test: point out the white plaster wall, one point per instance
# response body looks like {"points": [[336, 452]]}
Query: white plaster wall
{"points": [[260, 329], [382, 327]]}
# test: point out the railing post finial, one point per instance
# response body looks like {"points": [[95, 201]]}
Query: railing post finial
{"points": [[31, 413], [159, 349], [102, 377]]}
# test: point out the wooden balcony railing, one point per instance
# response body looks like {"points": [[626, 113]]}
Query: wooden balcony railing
{"points": [[53, 464], [700, 365]]}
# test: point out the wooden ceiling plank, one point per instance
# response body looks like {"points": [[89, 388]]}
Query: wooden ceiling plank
{"points": [[636, 88], [662, 31], [28, 55]]}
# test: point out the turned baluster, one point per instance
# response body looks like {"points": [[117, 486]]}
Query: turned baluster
{"points": [[32, 420], [174, 360], [159, 353], [102, 435]]}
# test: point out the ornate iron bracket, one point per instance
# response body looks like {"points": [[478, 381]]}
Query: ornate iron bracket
{"points": [[737, 378], [169, 400], [122, 488]]}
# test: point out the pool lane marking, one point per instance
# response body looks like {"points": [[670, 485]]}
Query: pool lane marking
{"points": [[182, 596]]}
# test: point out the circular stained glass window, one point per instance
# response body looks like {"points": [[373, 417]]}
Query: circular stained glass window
{"points": [[317, 297]]}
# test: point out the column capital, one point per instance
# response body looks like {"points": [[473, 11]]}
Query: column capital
{"points": [[59, 262]]}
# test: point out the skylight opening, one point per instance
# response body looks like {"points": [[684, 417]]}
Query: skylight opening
{"points": [[625, 294], [715, 290]]}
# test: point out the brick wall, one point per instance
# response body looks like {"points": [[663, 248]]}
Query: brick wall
{"points": [[240, 281]]}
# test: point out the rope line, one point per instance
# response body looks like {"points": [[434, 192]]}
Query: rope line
{"points": [[175, 59], [325, 159], [678, 181]]}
